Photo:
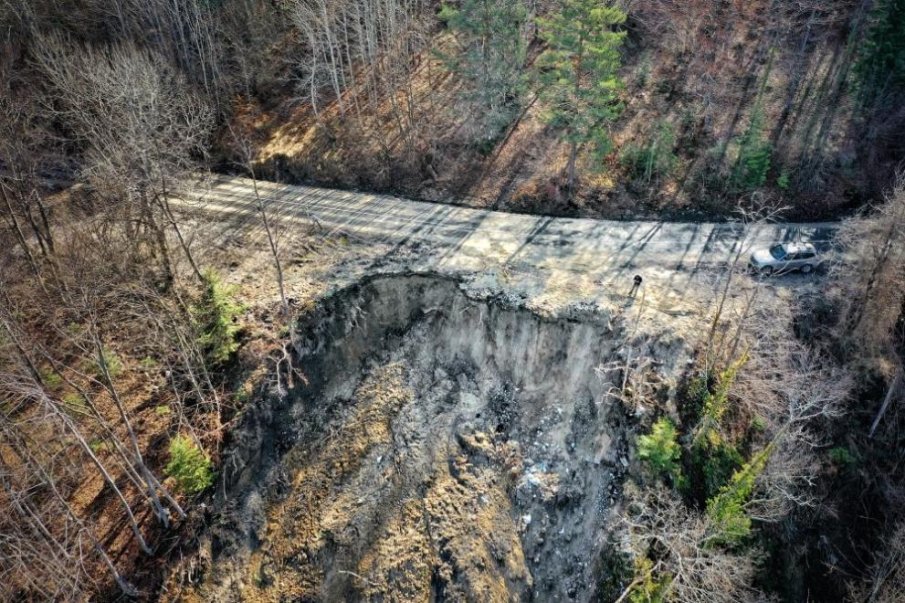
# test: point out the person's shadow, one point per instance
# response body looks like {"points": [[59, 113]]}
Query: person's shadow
{"points": [[636, 285]]}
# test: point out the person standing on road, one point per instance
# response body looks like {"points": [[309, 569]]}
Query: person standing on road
{"points": [[636, 285]]}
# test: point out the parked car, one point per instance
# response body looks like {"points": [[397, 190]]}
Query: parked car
{"points": [[785, 257]]}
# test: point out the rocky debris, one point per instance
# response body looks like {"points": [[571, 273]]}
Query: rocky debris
{"points": [[445, 448]]}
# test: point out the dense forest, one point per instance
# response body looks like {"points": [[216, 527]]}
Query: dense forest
{"points": [[128, 357], [495, 103]]}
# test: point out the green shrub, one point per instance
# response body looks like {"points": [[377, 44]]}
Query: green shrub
{"points": [[111, 360], [784, 181], [654, 159], [74, 404], [649, 588], [243, 393], [148, 363], [98, 445], [660, 450], [758, 424], [726, 510], [843, 457], [216, 317], [162, 411], [189, 465], [51, 378]]}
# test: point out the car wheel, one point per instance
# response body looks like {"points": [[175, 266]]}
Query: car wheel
{"points": [[766, 271], [806, 269]]}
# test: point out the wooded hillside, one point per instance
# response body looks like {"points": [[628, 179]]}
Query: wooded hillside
{"points": [[135, 335], [705, 102]]}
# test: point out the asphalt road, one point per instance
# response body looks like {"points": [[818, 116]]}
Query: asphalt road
{"points": [[471, 238]]}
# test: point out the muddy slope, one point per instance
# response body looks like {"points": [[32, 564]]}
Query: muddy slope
{"points": [[445, 448]]}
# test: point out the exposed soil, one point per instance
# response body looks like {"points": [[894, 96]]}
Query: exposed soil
{"points": [[444, 447]]}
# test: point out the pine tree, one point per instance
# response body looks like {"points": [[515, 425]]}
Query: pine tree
{"points": [[215, 314], [490, 57], [754, 155], [880, 69], [190, 466], [727, 510], [578, 73], [661, 451]]}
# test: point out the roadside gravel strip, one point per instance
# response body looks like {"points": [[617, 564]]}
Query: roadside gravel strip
{"points": [[469, 237]]}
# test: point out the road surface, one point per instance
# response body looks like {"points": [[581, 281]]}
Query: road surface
{"points": [[470, 237]]}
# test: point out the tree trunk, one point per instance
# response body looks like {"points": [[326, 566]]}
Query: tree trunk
{"points": [[270, 239], [151, 483], [28, 459], [20, 236], [160, 240], [54, 409], [573, 157], [165, 205]]}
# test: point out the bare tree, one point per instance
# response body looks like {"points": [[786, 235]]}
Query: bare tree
{"points": [[796, 390], [752, 221], [631, 377], [660, 525], [871, 295], [25, 150], [885, 582], [246, 153], [249, 29], [185, 32], [170, 333], [42, 556], [363, 51], [23, 380], [139, 123], [875, 276]]}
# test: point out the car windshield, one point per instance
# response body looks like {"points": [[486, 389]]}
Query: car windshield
{"points": [[778, 252]]}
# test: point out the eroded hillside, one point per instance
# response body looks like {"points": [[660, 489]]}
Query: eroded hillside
{"points": [[232, 388], [445, 448]]}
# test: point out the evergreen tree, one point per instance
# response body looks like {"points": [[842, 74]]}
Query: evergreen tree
{"points": [[661, 452], [216, 315], [727, 510], [578, 73], [189, 465], [880, 69], [754, 155], [490, 58]]}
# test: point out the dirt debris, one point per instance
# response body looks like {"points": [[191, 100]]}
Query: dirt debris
{"points": [[446, 448]]}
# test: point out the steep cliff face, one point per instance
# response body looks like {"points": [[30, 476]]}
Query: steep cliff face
{"points": [[443, 448]]}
